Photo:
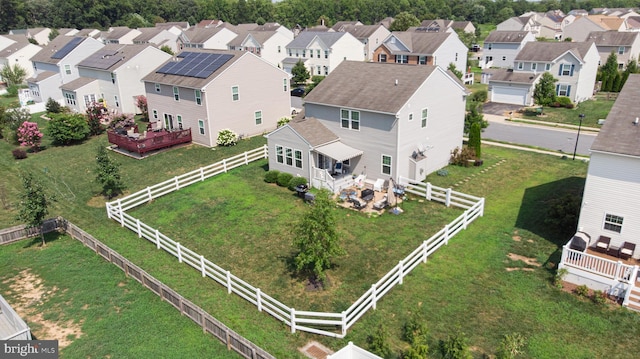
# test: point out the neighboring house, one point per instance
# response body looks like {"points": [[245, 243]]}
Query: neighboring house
{"points": [[424, 48], [213, 38], [68, 31], [209, 23], [16, 49], [521, 23], [551, 24], [60, 56], [268, 42], [341, 25], [114, 74], [39, 34], [501, 47], [95, 33], [633, 23], [378, 120], [625, 45], [440, 25], [322, 52], [182, 25], [119, 35], [386, 22], [581, 27], [212, 90], [370, 35], [158, 37], [573, 64]]}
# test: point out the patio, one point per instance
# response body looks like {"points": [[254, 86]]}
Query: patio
{"points": [[367, 200], [140, 144]]}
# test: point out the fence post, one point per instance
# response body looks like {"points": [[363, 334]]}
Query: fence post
{"points": [[175, 179], [465, 214], [374, 300], [632, 283], [482, 207], [266, 151], [293, 320], [400, 270], [424, 252], [228, 282], [121, 212], [201, 174], [138, 228], [428, 194], [446, 233], [108, 205], [157, 239], [224, 165], [149, 193], [258, 299], [563, 257], [344, 323], [447, 200], [202, 268], [178, 252], [246, 158]]}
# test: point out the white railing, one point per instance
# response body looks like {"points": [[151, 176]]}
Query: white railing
{"points": [[446, 196], [21, 328], [323, 179], [308, 321]]}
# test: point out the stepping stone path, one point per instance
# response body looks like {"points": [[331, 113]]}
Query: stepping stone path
{"points": [[463, 181]]}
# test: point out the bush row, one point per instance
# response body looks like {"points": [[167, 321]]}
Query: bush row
{"points": [[284, 179]]}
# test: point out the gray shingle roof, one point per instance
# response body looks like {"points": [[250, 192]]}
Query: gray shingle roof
{"points": [[360, 31], [506, 37], [612, 38], [260, 36], [313, 131], [116, 33], [13, 48], [549, 51], [504, 75], [619, 134], [420, 43], [147, 33], [198, 35], [370, 85], [304, 38], [112, 56], [41, 76], [77, 83], [52, 47]]}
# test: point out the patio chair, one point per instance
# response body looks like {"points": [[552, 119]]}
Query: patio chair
{"points": [[343, 195], [602, 244], [358, 203], [381, 204], [337, 169], [627, 249]]}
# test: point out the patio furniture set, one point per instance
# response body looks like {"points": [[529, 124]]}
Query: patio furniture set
{"points": [[360, 202], [624, 252]]}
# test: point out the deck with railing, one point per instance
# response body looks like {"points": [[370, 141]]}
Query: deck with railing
{"points": [[149, 141]]}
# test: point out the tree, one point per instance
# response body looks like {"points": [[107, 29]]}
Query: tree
{"points": [[167, 49], [29, 135], [300, 73], [315, 80], [378, 342], [452, 68], [403, 21], [53, 34], [475, 140], [455, 347], [12, 119], [97, 117], [608, 72], [474, 115], [34, 204], [108, 174], [545, 92], [141, 103], [65, 129], [13, 75], [316, 237], [53, 106]]}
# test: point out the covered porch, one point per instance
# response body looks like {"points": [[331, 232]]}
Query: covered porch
{"points": [[333, 167]]}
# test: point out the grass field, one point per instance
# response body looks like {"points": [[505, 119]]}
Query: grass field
{"points": [[595, 109], [471, 284]]}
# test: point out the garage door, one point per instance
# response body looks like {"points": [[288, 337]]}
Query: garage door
{"points": [[516, 96]]}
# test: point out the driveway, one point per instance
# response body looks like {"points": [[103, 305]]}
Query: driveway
{"points": [[500, 109]]}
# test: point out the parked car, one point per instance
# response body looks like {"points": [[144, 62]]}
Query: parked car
{"points": [[298, 92]]}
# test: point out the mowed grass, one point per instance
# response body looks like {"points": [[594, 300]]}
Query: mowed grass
{"points": [[595, 109], [247, 226]]}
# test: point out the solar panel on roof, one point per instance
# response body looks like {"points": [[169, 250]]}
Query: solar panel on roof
{"points": [[66, 49], [195, 64]]}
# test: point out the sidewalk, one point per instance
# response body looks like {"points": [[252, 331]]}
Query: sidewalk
{"points": [[536, 123]]}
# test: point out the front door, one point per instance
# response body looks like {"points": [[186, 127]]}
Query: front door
{"points": [[168, 121]]}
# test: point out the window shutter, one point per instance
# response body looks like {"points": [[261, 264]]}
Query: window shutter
{"points": [[560, 70], [568, 90], [557, 89], [572, 67]]}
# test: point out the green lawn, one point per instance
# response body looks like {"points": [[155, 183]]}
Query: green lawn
{"points": [[467, 284], [595, 109]]}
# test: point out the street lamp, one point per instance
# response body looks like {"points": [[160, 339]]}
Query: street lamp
{"points": [[578, 137]]}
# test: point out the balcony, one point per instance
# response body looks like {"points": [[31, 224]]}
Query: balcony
{"points": [[141, 144]]}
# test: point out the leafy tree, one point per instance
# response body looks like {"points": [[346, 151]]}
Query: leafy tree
{"points": [[65, 129], [474, 115], [167, 49], [13, 75], [475, 140], [544, 92], [300, 73], [316, 237], [455, 347], [108, 174], [141, 103], [97, 117], [617, 83], [378, 342], [562, 214], [29, 135], [315, 80], [53, 106], [504, 13], [12, 119], [467, 39], [452, 68], [53, 34], [34, 204], [403, 21], [608, 72]]}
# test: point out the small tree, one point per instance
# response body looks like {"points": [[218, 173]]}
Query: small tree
{"points": [[34, 204], [53, 106], [316, 237], [65, 129], [545, 91], [474, 116], [475, 140], [29, 135], [97, 117], [315, 80], [608, 72], [403, 21], [13, 75], [53, 34], [378, 342], [452, 68], [12, 119], [141, 103], [108, 174], [167, 49], [227, 137], [455, 347], [300, 73]]}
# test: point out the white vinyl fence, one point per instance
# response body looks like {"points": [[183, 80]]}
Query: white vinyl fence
{"points": [[20, 329], [330, 324]]}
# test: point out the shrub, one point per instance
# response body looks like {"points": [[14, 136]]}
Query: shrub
{"points": [[12, 91], [19, 154], [581, 290], [29, 135], [562, 214], [461, 157], [455, 347], [564, 101], [480, 96], [378, 342], [284, 179], [442, 172], [227, 138], [415, 331], [97, 117], [599, 297], [68, 128], [141, 103], [283, 121], [475, 141], [53, 106], [295, 181], [511, 346], [271, 176]]}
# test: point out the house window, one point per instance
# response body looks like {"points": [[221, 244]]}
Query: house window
{"points": [[290, 53], [563, 90], [67, 69], [116, 101], [179, 120], [620, 66], [288, 156], [402, 59], [613, 223], [157, 88], [520, 65], [350, 119], [547, 67], [279, 48], [326, 54], [422, 60], [326, 70], [89, 99], [423, 118], [285, 84], [298, 158], [504, 58], [386, 164], [113, 78], [311, 53], [198, 94], [155, 114], [318, 53], [70, 98], [456, 56], [176, 93], [621, 50], [304, 53], [258, 117], [297, 53], [534, 66], [565, 70], [279, 154], [411, 116], [489, 46], [201, 127], [235, 95]]}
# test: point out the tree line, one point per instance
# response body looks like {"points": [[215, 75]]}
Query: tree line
{"points": [[17, 14]]}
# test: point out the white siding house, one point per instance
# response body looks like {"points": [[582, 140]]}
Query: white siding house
{"points": [[501, 47], [18, 51], [322, 52]]}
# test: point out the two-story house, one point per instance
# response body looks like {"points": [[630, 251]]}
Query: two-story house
{"points": [[212, 90], [441, 25], [56, 65], [17, 50], [370, 35], [39, 34], [501, 47], [423, 48], [119, 35], [157, 36], [113, 74], [582, 26], [379, 120], [321, 52], [214, 38], [268, 41], [573, 64], [625, 45], [521, 23]]}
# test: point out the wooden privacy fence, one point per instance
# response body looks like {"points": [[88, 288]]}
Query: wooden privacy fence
{"points": [[330, 324], [209, 324], [13, 234]]}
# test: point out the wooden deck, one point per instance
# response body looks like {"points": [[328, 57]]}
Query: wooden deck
{"points": [[148, 141], [612, 257]]}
